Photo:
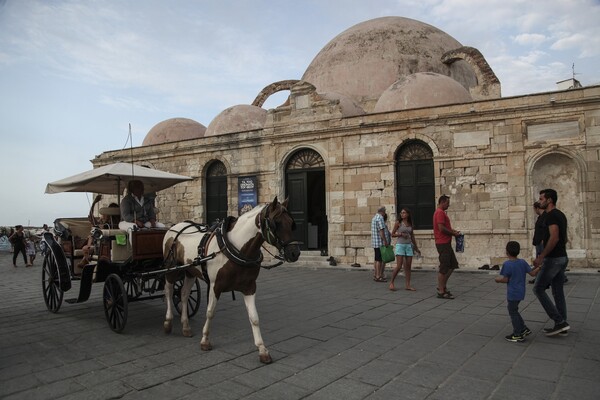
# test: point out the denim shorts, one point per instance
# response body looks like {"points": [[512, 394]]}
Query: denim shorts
{"points": [[404, 250]]}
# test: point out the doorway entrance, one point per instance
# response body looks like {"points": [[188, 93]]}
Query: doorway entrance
{"points": [[216, 192], [305, 188]]}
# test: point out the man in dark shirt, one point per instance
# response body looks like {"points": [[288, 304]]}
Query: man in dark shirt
{"points": [[553, 262], [538, 232]]}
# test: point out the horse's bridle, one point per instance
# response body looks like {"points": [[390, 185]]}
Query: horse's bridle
{"points": [[268, 230]]}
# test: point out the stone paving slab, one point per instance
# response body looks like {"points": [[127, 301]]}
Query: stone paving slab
{"points": [[333, 334]]}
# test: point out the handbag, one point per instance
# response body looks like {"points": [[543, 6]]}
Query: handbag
{"points": [[387, 253]]}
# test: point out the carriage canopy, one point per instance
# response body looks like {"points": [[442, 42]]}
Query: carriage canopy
{"points": [[112, 179]]}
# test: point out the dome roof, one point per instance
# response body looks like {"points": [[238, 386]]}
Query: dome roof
{"points": [[240, 118], [423, 89], [367, 58], [173, 130]]}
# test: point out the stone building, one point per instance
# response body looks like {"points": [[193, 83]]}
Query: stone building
{"points": [[393, 112]]}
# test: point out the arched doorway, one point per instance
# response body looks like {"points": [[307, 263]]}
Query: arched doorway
{"points": [[415, 182], [216, 192], [561, 173], [305, 188]]}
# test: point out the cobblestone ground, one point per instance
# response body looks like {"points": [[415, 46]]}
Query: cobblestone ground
{"points": [[333, 334]]}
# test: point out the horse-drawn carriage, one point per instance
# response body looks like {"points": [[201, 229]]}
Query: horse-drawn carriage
{"points": [[131, 270], [153, 263]]}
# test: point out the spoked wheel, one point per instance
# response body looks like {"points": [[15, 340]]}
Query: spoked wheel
{"points": [[132, 288], [193, 300], [115, 303], [53, 295]]}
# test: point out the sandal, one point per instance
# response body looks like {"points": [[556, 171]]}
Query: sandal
{"points": [[445, 295]]}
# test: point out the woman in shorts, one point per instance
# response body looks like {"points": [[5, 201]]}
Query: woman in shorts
{"points": [[406, 247]]}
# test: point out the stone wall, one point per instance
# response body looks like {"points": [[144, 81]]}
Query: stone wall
{"points": [[492, 157]]}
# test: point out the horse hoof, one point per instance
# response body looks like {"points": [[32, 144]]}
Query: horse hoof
{"points": [[168, 327], [265, 358], [205, 346], [187, 332]]}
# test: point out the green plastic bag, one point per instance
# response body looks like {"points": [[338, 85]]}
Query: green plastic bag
{"points": [[387, 253], [121, 240]]}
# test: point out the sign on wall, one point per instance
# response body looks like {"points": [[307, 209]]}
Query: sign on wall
{"points": [[247, 193]]}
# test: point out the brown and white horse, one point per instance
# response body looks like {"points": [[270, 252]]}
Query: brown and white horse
{"points": [[236, 245]]}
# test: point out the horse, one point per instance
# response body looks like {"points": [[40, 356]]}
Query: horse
{"points": [[231, 260]]}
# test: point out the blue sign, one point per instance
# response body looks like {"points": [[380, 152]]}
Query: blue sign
{"points": [[247, 193]]}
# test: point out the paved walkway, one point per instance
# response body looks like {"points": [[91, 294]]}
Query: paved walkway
{"points": [[333, 334]]}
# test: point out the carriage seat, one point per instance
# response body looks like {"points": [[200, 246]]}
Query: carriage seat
{"points": [[79, 230]]}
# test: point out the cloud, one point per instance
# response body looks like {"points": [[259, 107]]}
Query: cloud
{"points": [[530, 39], [588, 45]]}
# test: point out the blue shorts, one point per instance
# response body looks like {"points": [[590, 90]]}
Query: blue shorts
{"points": [[404, 250]]}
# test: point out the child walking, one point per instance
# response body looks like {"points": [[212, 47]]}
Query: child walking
{"points": [[30, 248], [513, 274]]}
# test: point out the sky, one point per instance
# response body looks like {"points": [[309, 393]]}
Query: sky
{"points": [[75, 74]]}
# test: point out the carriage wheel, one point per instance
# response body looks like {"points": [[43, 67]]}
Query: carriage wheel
{"points": [[132, 289], [115, 303], [193, 300], [53, 295]]}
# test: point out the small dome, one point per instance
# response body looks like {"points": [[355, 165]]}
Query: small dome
{"points": [[367, 58], [173, 130], [240, 118], [424, 89], [347, 105]]}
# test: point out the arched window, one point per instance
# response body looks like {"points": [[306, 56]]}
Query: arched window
{"points": [[415, 182], [216, 192]]}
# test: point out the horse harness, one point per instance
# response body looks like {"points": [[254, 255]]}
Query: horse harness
{"points": [[219, 230]]}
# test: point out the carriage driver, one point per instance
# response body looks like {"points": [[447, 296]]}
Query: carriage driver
{"points": [[137, 208]]}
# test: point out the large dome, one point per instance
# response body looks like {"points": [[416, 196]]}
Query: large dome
{"points": [[423, 89], [367, 58], [242, 117], [173, 130]]}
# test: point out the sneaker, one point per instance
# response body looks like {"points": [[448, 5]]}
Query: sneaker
{"points": [[514, 338], [526, 332], [563, 333], [558, 328]]}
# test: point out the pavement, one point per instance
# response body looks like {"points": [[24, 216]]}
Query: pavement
{"points": [[333, 333]]}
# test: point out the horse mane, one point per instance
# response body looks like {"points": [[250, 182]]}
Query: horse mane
{"points": [[254, 212]]}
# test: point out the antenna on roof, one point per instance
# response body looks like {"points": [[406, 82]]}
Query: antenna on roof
{"points": [[131, 148]]}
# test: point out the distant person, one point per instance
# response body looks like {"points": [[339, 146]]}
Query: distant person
{"points": [[137, 208], [406, 248], [30, 249], [553, 263], [513, 273], [443, 232], [378, 239], [17, 239]]}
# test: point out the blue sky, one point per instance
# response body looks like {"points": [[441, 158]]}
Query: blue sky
{"points": [[74, 74]]}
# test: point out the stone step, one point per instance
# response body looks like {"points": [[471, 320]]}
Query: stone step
{"points": [[307, 259]]}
